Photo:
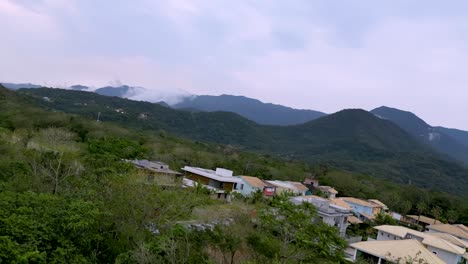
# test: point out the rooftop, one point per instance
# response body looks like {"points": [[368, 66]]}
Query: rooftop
{"points": [[393, 250], [221, 175], [327, 189], [424, 219], [359, 202], [452, 239], [253, 181], [379, 203], [296, 186], [427, 238], [460, 231], [156, 166]]}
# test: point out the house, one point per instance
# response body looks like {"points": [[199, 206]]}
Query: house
{"points": [[294, 188], [420, 220], [365, 210], [396, 251], [311, 183], [458, 231], [328, 212], [221, 182], [156, 172], [250, 185], [446, 250], [314, 185], [339, 202], [328, 191]]}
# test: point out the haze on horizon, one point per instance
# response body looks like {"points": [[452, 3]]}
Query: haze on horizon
{"points": [[322, 55]]}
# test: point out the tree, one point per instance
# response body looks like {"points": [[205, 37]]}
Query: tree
{"points": [[452, 216], [436, 213], [406, 207], [421, 208], [291, 230]]}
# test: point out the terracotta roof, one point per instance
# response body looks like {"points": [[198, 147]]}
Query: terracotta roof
{"points": [[354, 220], [455, 230], [392, 250], [358, 201], [254, 181], [424, 219]]}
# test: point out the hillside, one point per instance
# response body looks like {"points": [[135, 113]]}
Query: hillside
{"points": [[450, 142], [459, 135], [255, 110], [354, 140]]}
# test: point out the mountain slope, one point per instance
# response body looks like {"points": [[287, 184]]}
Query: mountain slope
{"points": [[354, 140], [459, 135], [438, 138], [16, 86], [255, 110]]}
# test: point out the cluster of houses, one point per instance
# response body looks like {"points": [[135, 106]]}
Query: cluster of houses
{"points": [[336, 211], [440, 243]]}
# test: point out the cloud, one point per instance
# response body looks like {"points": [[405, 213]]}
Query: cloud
{"points": [[306, 54]]}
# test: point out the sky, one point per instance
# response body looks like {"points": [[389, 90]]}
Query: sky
{"points": [[325, 55]]}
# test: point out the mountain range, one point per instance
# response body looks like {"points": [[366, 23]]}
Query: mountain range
{"points": [[448, 141], [255, 110], [352, 139], [451, 142]]}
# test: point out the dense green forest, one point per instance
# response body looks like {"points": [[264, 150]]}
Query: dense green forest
{"points": [[352, 140], [67, 197]]}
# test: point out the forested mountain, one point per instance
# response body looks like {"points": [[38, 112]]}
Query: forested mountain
{"points": [[255, 110], [67, 196], [354, 140], [16, 86], [459, 135], [451, 142]]}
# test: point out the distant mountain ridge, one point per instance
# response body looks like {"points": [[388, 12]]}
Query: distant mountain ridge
{"points": [[253, 109], [448, 141], [16, 86], [352, 139]]}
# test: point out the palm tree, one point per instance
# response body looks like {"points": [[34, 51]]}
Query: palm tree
{"points": [[421, 207]]}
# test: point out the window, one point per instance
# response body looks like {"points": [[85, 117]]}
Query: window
{"points": [[435, 253], [242, 187]]}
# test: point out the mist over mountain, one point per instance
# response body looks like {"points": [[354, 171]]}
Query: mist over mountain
{"points": [[253, 109], [448, 141], [79, 87]]}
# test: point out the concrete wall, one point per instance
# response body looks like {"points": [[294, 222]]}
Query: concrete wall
{"points": [[386, 236], [448, 257], [360, 209], [247, 189]]}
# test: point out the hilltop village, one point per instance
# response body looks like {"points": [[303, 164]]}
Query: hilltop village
{"points": [[374, 233]]}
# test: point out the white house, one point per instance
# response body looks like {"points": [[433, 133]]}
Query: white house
{"points": [[385, 251], [328, 212], [250, 185], [221, 181], [296, 188], [443, 248]]}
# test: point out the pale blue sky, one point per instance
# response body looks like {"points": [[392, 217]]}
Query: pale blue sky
{"points": [[324, 55]]}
